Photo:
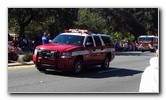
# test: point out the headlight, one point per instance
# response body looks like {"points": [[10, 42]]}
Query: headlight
{"points": [[35, 52], [65, 55]]}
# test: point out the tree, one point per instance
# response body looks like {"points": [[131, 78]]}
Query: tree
{"points": [[32, 20], [122, 22], [20, 17], [91, 20]]}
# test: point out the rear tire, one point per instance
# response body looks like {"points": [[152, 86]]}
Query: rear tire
{"points": [[106, 63], [77, 67]]}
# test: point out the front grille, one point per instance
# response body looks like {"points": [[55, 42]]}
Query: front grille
{"points": [[47, 58], [145, 44], [48, 54]]}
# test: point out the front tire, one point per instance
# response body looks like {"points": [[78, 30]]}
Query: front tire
{"points": [[77, 67], [40, 69]]}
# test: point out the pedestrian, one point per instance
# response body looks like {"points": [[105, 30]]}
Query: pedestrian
{"points": [[133, 46], [150, 77], [45, 38], [15, 42], [25, 44], [49, 38]]}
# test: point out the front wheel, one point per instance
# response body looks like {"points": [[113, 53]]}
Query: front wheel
{"points": [[77, 67], [40, 69], [106, 63]]}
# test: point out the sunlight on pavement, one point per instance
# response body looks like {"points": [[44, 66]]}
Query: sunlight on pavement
{"points": [[21, 67]]}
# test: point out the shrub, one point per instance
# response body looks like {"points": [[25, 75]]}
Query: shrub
{"points": [[27, 57]]}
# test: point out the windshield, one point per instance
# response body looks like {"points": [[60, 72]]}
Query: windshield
{"points": [[69, 39], [146, 39]]}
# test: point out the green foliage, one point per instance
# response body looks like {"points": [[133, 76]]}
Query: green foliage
{"points": [[123, 36], [27, 57], [90, 20], [121, 23]]}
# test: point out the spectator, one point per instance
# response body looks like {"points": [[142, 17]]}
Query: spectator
{"points": [[45, 38], [126, 46], [15, 41], [136, 45], [25, 44], [133, 46], [150, 77], [49, 38], [121, 46]]}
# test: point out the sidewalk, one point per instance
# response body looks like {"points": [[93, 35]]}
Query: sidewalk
{"points": [[16, 63], [20, 64]]}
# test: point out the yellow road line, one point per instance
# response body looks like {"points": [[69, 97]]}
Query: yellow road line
{"points": [[21, 67]]}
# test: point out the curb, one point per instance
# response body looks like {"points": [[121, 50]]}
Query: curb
{"points": [[20, 64], [21, 67]]}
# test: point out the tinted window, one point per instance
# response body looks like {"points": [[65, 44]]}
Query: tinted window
{"points": [[97, 40], [69, 39], [107, 41]]}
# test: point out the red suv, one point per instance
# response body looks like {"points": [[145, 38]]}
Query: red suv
{"points": [[72, 50]]}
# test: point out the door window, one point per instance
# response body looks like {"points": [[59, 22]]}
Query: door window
{"points": [[89, 42]]}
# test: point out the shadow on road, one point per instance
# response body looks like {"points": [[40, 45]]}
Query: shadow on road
{"points": [[98, 73]]}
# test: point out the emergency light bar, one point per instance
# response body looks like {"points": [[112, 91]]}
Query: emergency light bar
{"points": [[77, 31]]}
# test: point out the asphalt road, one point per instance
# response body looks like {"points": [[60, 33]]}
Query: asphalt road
{"points": [[123, 77]]}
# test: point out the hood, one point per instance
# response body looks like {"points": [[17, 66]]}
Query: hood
{"points": [[154, 62], [59, 47]]}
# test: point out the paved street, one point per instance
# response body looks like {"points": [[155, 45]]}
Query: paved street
{"points": [[123, 76]]}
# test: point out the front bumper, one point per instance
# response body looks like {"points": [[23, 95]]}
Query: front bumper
{"points": [[141, 48], [54, 63]]}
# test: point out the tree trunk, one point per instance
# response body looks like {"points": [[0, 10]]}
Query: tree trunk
{"points": [[22, 34]]}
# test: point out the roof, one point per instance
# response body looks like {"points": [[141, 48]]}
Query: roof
{"points": [[81, 32], [78, 34], [13, 35], [84, 34], [148, 36]]}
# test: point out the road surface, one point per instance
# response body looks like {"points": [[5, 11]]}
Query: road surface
{"points": [[123, 77]]}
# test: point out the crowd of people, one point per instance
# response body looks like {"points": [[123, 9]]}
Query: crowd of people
{"points": [[125, 46], [28, 44]]}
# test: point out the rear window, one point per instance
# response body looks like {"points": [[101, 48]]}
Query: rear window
{"points": [[107, 40]]}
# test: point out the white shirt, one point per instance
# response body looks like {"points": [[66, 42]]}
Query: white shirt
{"points": [[150, 77]]}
